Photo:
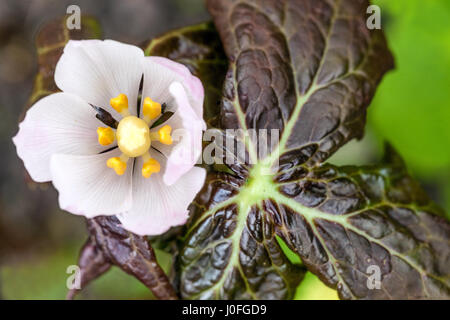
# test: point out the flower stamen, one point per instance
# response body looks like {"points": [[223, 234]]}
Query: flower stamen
{"points": [[162, 135], [119, 164], [151, 109], [120, 104], [106, 135], [134, 137], [150, 166]]}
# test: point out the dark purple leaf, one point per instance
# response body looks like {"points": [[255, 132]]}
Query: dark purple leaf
{"points": [[231, 251], [110, 244], [92, 263], [345, 222], [309, 69]]}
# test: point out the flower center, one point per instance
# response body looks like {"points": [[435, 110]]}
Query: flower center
{"points": [[133, 136]]}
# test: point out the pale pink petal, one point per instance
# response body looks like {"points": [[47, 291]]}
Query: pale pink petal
{"points": [[88, 187], [156, 206], [98, 70], [187, 137], [160, 72], [59, 123]]}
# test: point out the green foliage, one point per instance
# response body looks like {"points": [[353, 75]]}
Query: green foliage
{"points": [[44, 276], [412, 107], [312, 288]]}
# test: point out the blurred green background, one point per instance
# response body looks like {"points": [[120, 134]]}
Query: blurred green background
{"points": [[38, 241]]}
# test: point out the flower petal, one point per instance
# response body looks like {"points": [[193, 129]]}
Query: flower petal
{"points": [[59, 123], [156, 206], [160, 72], [187, 136], [99, 70], [88, 187]]}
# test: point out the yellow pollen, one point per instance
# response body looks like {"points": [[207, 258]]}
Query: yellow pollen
{"points": [[151, 166], [151, 109], [133, 136], [106, 135], [118, 164], [120, 104], [163, 135]]}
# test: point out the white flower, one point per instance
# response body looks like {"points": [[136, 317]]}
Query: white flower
{"points": [[146, 176]]}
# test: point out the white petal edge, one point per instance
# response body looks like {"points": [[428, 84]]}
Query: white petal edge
{"points": [[98, 70], [160, 72], [158, 207], [187, 128], [88, 187], [59, 123]]}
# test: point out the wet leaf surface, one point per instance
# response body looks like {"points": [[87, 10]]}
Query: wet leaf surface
{"points": [[308, 69], [231, 251], [348, 222]]}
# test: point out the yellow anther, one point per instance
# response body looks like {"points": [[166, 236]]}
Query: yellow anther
{"points": [[118, 164], [164, 134], [120, 104], [151, 109], [150, 166], [106, 136]]}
